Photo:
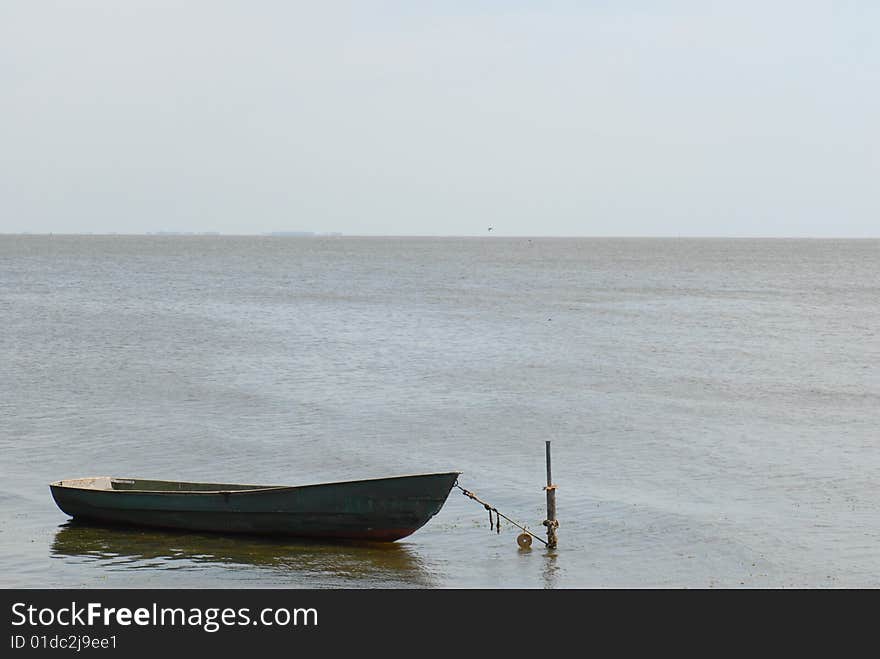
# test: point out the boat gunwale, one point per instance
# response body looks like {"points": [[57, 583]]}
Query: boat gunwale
{"points": [[247, 488]]}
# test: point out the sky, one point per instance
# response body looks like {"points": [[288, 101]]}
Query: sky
{"points": [[544, 118]]}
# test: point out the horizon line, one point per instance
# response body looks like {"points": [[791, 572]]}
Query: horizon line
{"points": [[336, 234]]}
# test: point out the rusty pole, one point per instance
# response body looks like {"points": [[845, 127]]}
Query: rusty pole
{"points": [[550, 522]]}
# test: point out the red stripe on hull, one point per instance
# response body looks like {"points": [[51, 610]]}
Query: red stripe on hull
{"points": [[381, 535]]}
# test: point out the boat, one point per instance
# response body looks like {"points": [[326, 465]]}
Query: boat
{"points": [[378, 509]]}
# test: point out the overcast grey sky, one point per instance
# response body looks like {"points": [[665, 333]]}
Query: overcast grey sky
{"points": [[739, 118]]}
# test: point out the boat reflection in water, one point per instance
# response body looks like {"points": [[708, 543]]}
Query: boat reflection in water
{"points": [[297, 562]]}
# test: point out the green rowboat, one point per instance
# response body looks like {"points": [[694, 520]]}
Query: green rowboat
{"points": [[383, 509]]}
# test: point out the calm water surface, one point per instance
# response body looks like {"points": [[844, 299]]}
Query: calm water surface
{"points": [[714, 405]]}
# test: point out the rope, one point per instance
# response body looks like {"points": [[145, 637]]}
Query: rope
{"points": [[496, 523]]}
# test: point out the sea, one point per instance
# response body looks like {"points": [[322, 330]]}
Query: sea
{"points": [[712, 405]]}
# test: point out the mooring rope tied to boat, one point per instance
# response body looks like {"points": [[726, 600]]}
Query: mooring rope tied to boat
{"points": [[496, 525]]}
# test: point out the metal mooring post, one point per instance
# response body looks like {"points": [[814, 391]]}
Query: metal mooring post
{"points": [[550, 522]]}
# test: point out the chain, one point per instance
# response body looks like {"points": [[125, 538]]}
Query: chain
{"points": [[496, 524]]}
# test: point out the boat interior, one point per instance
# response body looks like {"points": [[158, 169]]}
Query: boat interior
{"points": [[141, 485]]}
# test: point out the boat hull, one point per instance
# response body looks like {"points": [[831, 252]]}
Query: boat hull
{"points": [[384, 509]]}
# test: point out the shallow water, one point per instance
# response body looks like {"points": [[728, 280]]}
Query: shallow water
{"points": [[714, 405]]}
